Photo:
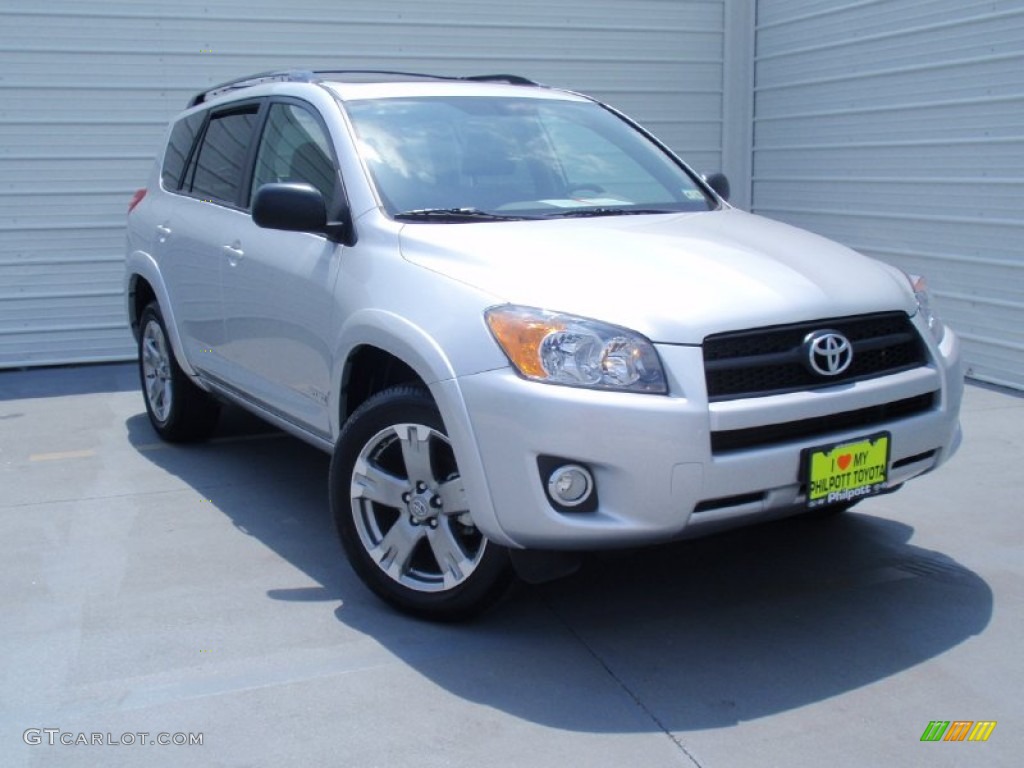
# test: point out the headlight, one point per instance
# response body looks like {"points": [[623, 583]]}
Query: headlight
{"points": [[564, 349], [924, 306]]}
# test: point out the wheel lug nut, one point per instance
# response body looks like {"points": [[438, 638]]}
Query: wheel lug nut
{"points": [[435, 502], [406, 496]]}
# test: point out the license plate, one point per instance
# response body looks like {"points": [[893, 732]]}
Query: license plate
{"points": [[844, 473]]}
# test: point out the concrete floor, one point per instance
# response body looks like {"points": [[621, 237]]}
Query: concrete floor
{"points": [[156, 589]]}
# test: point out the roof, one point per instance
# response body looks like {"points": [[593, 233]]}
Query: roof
{"points": [[346, 76]]}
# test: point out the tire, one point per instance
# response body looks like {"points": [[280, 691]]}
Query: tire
{"points": [[402, 515], [178, 410]]}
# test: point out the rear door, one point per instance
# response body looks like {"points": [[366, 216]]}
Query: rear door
{"points": [[202, 236]]}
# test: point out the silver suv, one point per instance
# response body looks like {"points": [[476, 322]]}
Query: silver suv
{"points": [[519, 323]]}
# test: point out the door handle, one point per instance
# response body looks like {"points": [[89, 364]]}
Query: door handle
{"points": [[234, 253]]}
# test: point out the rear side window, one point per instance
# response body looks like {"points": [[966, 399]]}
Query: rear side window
{"points": [[221, 161], [183, 136]]}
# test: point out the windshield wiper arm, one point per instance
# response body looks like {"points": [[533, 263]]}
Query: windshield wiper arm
{"points": [[602, 211], [457, 214]]}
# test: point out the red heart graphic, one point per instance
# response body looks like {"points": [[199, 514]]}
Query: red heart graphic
{"points": [[844, 460]]}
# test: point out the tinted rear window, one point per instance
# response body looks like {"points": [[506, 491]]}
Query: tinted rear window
{"points": [[218, 173], [183, 136]]}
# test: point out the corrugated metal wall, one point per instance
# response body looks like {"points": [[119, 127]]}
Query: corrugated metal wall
{"points": [[87, 88], [897, 127]]}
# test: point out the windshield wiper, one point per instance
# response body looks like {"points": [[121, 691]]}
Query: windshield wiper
{"points": [[457, 214], [602, 211]]}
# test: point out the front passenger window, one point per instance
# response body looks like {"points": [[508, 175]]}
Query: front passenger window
{"points": [[294, 148]]}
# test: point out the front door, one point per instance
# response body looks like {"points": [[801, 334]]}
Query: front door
{"points": [[279, 295]]}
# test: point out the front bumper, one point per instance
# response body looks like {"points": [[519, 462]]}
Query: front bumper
{"points": [[656, 474]]}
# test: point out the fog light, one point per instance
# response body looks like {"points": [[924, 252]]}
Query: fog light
{"points": [[570, 485]]}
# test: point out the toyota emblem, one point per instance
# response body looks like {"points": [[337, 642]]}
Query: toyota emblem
{"points": [[829, 353]]}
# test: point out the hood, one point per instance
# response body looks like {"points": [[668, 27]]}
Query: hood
{"points": [[675, 278]]}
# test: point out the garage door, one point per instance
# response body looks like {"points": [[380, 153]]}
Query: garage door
{"points": [[87, 89], [897, 127]]}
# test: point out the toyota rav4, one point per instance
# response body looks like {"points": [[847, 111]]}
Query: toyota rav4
{"points": [[521, 326]]}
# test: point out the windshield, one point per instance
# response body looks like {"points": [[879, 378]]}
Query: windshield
{"points": [[471, 158]]}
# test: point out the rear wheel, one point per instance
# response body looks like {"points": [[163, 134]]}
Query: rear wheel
{"points": [[402, 513], [177, 408]]}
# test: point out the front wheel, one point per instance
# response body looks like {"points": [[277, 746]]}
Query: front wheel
{"points": [[401, 511]]}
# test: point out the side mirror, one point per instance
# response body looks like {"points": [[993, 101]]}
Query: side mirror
{"points": [[719, 183], [292, 207], [300, 208]]}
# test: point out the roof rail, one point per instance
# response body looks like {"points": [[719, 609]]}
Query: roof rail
{"points": [[308, 76], [388, 72], [511, 79], [280, 76]]}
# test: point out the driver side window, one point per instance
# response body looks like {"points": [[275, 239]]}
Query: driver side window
{"points": [[294, 148]]}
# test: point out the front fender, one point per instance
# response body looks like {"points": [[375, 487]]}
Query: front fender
{"points": [[411, 344]]}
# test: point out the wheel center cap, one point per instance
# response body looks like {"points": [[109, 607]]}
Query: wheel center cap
{"points": [[419, 508]]}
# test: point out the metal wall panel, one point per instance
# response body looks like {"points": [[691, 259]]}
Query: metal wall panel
{"points": [[897, 127], [88, 88]]}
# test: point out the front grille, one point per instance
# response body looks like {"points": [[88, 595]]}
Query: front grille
{"points": [[769, 361], [863, 418]]}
